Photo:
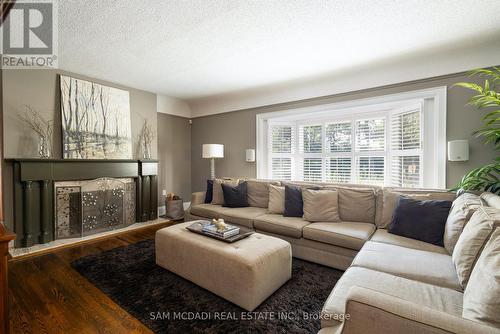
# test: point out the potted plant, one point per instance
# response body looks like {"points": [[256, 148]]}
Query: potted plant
{"points": [[487, 98]]}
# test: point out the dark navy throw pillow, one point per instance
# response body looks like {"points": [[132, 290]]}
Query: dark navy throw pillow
{"points": [[420, 220], [210, 191], [235, 197], [294, 206]]}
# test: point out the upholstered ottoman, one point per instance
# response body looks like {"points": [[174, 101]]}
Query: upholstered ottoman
{"points": [[245, 272]]}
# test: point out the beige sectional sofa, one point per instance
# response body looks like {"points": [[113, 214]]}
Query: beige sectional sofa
{"points": [[391, 284], [361, 210]]}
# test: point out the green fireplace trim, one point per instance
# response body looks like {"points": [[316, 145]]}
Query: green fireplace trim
{"points": [[34, 190]]}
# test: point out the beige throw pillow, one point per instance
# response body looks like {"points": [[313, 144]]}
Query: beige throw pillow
{"points": [[390, 200], [276, 199], [472, 240], [258, 192], [491, 199], [461, 212], [356, 204], [321, 205], [482, 295], [218, 195]]}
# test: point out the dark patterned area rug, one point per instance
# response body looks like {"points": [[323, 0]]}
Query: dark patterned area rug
{"points": [[167, 303]]}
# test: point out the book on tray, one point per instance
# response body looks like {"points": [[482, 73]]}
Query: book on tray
{"points": [[228, 231]]}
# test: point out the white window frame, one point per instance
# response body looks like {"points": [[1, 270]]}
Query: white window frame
{"points": [[432, 123]]}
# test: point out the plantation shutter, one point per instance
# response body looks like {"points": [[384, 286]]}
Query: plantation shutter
{"points": [[338, 170], [406, 152], [370, 170], [312, 169], [370, 151], [339, 144], [310, 139], [282, 138], [338, 137], [370, 135], [281, 147], [379, 148], [281, 168], [310, 149]]}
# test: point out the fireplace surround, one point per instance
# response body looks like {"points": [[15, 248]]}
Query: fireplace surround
{"points": [[35, 193]]}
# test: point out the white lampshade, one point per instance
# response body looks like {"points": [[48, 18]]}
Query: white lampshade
{"points": [[213, 151], [458, 150]]}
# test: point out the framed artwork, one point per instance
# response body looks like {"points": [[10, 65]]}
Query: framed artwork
{"points": [[95, 120]]}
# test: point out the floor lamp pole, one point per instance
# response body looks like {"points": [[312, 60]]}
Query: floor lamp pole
{"points": [[212, 168]]}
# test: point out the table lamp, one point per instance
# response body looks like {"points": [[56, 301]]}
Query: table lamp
{"points": [[212, 151]]}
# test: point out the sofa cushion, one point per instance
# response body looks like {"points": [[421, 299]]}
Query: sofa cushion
{"points": [[294, 206], [472, 240], [241, 216], [382, 235], [461, 210], [318, 252], [351, 200], [258, 192], [418, 265], [276, 199], [482, 295], [387, 199], [435, 297], [217, 194], [206, 210], [321, 205], [289, 226], [350, 235], [235, 197], [491, 199], [420, 220]]}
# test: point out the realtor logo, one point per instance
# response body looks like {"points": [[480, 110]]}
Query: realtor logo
{"points": [[29, 35]]}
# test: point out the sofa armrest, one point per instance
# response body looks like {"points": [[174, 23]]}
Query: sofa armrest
{"points": [[371, 311], [197, 198]]}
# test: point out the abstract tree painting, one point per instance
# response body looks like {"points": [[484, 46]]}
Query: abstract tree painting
{"points": [[95, 120]]}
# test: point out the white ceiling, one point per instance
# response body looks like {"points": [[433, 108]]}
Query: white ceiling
{"points": [[195, 49]]}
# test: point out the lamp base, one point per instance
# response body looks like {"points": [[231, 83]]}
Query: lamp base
{"points": [[212, 168]]}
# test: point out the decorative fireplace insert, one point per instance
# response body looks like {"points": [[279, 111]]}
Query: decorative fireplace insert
{"points": [[83, 208]]}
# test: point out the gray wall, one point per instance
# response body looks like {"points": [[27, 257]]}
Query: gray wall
{"points": [[174, 155], [40, 90], [236, 130]]}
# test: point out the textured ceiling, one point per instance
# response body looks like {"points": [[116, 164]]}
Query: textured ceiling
{"points": [[192, 49]]}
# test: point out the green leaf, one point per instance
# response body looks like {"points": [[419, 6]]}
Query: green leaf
{"points": [[492, 114], [470, 85], [492, 74], [482, 179]]}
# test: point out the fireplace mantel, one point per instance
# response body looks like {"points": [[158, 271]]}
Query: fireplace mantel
{"points": [[34, 190]]}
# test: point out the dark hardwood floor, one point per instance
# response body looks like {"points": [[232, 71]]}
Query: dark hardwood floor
{"points": [[48, 296]]}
